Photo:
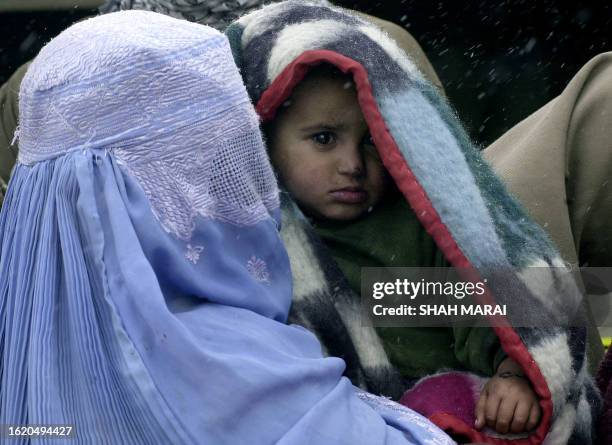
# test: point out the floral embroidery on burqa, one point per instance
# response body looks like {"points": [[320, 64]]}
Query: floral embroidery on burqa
{"points": [[193, 253], [258, 269]]}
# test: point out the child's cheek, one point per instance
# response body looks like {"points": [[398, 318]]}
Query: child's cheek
{"points": [[300, 180], [311, 173], [380, 180]]}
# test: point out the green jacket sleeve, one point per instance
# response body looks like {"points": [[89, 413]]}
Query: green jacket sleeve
{"points": [[478, 349], [9, 112]]}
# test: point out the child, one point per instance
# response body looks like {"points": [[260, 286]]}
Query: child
{"points": [[143, 282], [320, 143], [322, 150]]}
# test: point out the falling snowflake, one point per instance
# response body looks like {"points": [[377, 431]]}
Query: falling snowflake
{"points": [[193, 253], [258, 269]]}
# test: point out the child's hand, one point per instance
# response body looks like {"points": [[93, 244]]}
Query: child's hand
{"points": [[507, 402]]}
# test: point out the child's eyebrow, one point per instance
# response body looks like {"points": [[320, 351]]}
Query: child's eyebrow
{"points": [[324, 127]]}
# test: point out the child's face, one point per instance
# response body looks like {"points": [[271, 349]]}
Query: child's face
{"points": [[323, 152]]}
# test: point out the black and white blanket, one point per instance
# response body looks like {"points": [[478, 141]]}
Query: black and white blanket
{"points": [[476, 224]]}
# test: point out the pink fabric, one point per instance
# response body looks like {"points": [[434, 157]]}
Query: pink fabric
{"points": [[453, 393]]}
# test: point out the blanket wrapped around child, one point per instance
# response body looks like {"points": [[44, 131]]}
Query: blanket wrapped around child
{"points": [[477, 225]]}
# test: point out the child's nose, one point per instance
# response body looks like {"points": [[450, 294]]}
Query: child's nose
{"points": [[351, 161]]}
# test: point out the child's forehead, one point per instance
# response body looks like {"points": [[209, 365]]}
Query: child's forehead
{"points": [[323, 95], [318, 77], [329, 89]]}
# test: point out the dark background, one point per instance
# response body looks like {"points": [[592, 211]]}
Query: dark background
{"points": [[498, 60]]}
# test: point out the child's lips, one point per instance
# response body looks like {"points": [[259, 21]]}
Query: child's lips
{"points": [[350, 195]]}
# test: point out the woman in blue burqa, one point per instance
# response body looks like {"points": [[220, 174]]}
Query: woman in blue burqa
{"points": [[143, 295]]}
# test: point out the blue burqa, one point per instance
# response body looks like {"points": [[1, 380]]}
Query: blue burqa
{"points": [[143, 283]]}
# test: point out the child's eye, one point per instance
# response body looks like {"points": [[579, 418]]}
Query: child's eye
{"points": [[324, 138], [368, 141], [369, 146]]}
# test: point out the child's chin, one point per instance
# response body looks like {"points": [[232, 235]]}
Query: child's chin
{"points": [[345, 214]]}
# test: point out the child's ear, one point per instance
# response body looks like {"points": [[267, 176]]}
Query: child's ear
{"points": [[234, 34]]}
